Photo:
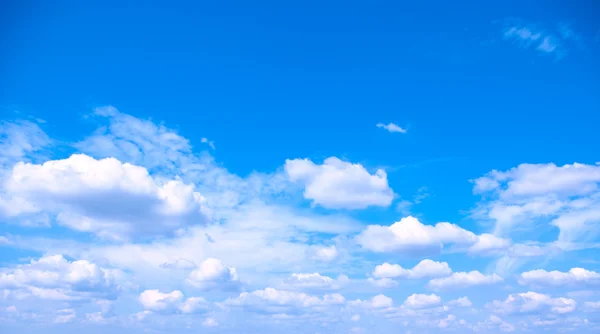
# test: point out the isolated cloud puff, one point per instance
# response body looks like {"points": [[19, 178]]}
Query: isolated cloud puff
{"points": [[337, 184], [105, 197], [575, 276], [212, 274], [391, 127], [56, 278], [463, 280], [410, 235], [533, 302], [425, 268]]}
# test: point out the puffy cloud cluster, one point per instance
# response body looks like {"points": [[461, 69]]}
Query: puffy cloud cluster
{"points": [[105, 197], [337, 184], [565, 196], [56, 278], [533, 302], [422, 300], [575, 276]]}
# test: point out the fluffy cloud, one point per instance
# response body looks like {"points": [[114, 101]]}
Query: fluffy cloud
{"points": [[425, 268], [463, 280], [212, 274], [275, 301], [154, 300], [391, 127], [410, 235], [460, 302], [377, 302], [56, 278], [337, 184], [325, 254], [575, 276], [422, 301], [20, 141], [314, 281], [104, 196], [530, 302]]}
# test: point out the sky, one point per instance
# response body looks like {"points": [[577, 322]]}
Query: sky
{"points": [[299, 167]]}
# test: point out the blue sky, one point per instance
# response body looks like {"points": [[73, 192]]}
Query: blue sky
{"points": [[310, 167]]}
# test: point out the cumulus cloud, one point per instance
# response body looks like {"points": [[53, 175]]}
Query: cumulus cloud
{"points": [[212, 274], [21, 140], [275, 301], [56, 278], [174, 301], [377, 302], [391, 127], [463, 280], [460, 302], [104, 196], [337, 184], [422, 301], [326, 254], [314, 281], [425, 268], [575, 276], [410, 235], [533, 302], [210, 322]]}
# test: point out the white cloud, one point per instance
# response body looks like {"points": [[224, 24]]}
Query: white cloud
{"points": [[461, 302], [410, 235], [391, 127], [212, 274], [464, 279], [592, 306], [105, 196], [384, 273], [575, 276], [314, 281], [326, 254], [275, 301], [208, 142], [489, 244], [425, 268], [422, 301], [379, 301], [337, 184], [56, 278], [65, 316], [20, 141], [530, 302], [168, 302], [546, 41], [210, 322]]}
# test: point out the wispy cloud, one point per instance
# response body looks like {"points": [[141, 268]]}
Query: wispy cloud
{"points": [[555, 42], [391, 127]]}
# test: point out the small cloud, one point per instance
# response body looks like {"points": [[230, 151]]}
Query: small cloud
{"points": [[391, 127], [210, 322], [208, 142]]}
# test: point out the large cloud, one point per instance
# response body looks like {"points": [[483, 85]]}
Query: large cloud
{"points": [[56, 278], [337, 184], [410, 235], [104, 196]]}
